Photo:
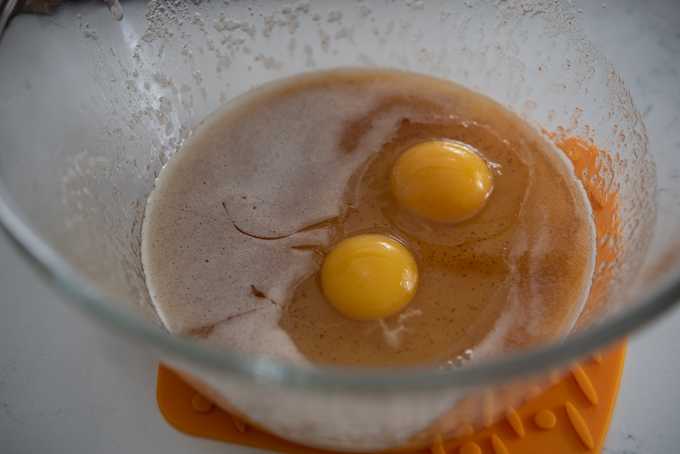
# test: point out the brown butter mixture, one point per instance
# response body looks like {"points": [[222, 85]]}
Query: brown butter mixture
{"points": [[513, 276]]}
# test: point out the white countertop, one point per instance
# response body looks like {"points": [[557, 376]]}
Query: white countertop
{"points": [[68, 384]]}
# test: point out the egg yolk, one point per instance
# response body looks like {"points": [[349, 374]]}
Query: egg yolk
{"points": [[369, 276], [441, 180]]}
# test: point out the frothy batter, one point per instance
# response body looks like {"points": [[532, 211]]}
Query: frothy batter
{"points": [[243, 215]]}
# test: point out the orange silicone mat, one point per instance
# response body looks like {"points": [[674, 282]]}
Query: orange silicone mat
{"points": [[571, 417]]}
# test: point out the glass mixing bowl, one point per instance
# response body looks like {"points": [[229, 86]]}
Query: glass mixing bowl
{"points": [[92, 108]]}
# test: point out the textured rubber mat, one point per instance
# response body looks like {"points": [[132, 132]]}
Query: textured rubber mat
{"points": [[570, 417]]}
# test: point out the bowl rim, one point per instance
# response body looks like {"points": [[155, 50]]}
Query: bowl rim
{"points": [[95, 302]]}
